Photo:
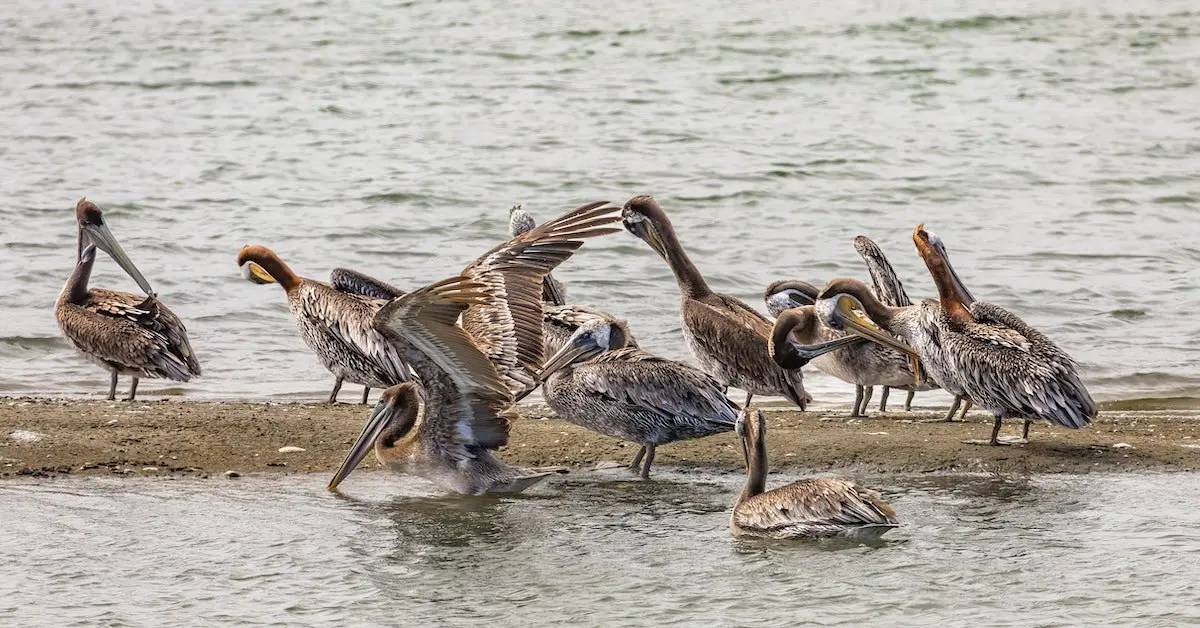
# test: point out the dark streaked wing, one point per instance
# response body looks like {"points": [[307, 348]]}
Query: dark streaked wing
{"points": [[346, 318], [814, 502], [354, 282], [133, 331], [671, 389], [887, 286]]}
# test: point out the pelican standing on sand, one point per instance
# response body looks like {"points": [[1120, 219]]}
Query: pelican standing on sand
{"points": [[806, 509], [448, 428], [864, 364], [124, 333], [334, 320], [597, 381], [982, 350], [727, 337]]}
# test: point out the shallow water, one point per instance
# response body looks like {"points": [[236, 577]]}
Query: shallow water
{"points": [[1052, 145], [592, 549]]}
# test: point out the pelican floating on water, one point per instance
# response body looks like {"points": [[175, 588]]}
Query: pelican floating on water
{"points": [[560, 320], [864, 364], [982, 350], [599, 382], [124, 333], [334, 320], [806, 509], [727, 337], [470, 373]]}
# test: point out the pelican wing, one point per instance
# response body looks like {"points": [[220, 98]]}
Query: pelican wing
{"points": [[1008, 364], [508, 327], [672, 389], [887, 286], [816, 502], [345, 320], [464, 395], [136, 332], [739, 336], [354, 282]]}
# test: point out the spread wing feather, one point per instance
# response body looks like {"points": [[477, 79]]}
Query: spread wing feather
{"points": [[344, 321], [354, 282]]}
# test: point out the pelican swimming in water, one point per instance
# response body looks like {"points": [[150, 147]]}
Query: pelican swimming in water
{"points": [[864, 364], [334, 320], [807, 509], [124, 333], [447, 428], [890, 291], [982, 350], [470, 373], [560, 320], [599, 382], [727, 337]]}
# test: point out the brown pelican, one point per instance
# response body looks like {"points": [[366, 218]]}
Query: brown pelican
{"points": [[334, 320], [446, 429], [560, 320], [890, 291], [599, 382], [123, 333], [469, 374], [864, 364], [806, 509], [727, 337], [982, 350]]}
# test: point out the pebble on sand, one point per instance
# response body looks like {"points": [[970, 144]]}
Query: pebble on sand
{"points": [[290, 449], [25, 436], [232, 474]]}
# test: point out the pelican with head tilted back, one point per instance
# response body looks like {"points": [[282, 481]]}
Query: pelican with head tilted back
{"points": [[448, 428], [727, 337], [806, 509], [979, 350], [864, 364], [599, 382], [334, 319], [123, 333]]}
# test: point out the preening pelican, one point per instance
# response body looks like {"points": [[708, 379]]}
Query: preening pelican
{"points": [[982, 351], [334, 321], [890, 291], [445, 429], [864, 364], [123, 333], [599, 382], [727, 337], [806, 509], [560, 319]]}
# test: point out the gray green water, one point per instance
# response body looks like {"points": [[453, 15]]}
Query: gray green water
{"points": [[590, 549], [1052, 144]]}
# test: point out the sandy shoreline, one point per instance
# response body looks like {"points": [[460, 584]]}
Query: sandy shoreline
{"points": [[41, 438]]}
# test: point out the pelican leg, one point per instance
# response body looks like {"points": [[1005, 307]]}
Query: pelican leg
{"points": [[949, 418], [867, 392], [883, 399], [908, 400], [336, 387], [966, 407], [858, 401], [995, 433], [749, 396], [132, 389], [1025, 430], [366, 393], [649, 460], [112, 387], [637, 460]]}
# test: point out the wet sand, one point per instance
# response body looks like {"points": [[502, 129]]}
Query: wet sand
{"points": [[43, 438]]}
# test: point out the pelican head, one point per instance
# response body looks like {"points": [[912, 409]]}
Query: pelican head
{"points": [[94, 231], [261, 265], [519, 221], [933, 251], [787, 294], [802, 322], [750, 422], [640, 216], [845, 313], [391, 419], [590, 340]]}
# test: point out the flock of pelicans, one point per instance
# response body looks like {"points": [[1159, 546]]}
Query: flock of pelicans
{"points": [[455, 356]]}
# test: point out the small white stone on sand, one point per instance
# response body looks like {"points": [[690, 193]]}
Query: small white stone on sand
{"points": [[290, 450], [25, 436], [232, 474], [1190, 446], [877, 433], [150, 469], [1122, 446]]}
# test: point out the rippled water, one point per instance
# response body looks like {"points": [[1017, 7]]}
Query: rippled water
{"points": [[590, 550], [1052, 144]]}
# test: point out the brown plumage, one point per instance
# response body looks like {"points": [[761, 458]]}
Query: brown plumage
{"points": [[727, 337], [805, 509], [123, 333]]}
